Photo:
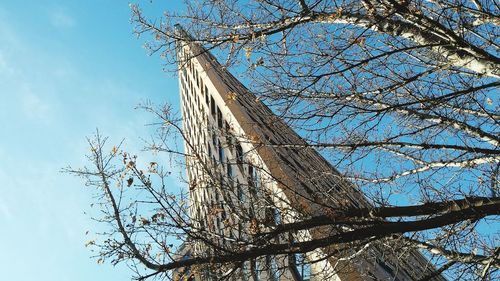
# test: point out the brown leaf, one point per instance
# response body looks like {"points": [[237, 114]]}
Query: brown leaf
{"points": [[254, 226], [248, 52], [130, 181], [145, 221], [360, 40], [231, 96]]}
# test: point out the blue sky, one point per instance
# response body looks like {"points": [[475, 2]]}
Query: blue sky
{"points": [[66, 68]]}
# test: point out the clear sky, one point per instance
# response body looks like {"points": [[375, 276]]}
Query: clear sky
{"points": [[66, 68]]}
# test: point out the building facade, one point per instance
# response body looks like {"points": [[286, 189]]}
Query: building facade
{"points": [[249, 173]]}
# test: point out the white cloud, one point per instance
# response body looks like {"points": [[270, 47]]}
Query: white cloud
{"points": [[5, 68], [59, 18], [35, 108], [5, 212]]}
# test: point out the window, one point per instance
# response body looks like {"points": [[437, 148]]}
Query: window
{"points": [[251, 211], [241, 192], [221, 153], [214, 138], [220, 229], [256, 270], [229, 137], [386, 267], [202, 223], [273, 268], [244, 271], [253, 179], [212, 106], [250, 174], [302, 266], [229, 170], [219, 118], [239, 154], [277, 216], [223, 214], [206, 96], [273, 215]]}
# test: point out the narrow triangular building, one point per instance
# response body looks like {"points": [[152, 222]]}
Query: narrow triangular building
{"points": [[250, 174]]}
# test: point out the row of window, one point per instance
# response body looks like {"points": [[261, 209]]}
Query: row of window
{"points": [[193, 99], [255, 269], [217, 145]]}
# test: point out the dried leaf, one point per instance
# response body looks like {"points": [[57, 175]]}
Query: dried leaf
{"points": [[145, 221], [254, 35], [90, 243], [130, 181], [158, 216], [248, 52], [231, 96], [254, 226], [360, 40]]}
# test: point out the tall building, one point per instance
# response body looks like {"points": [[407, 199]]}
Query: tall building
{"points": [[249, 173]]}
